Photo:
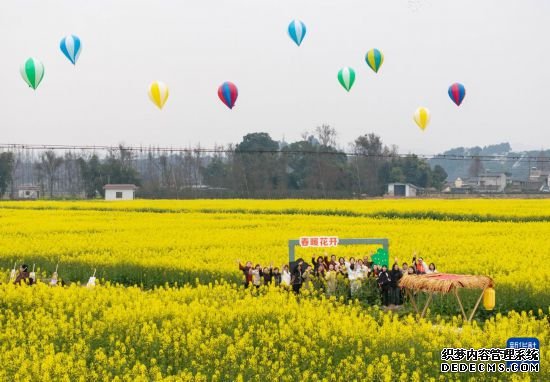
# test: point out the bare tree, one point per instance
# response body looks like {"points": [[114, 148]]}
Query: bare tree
{"points": [[326, 135]]}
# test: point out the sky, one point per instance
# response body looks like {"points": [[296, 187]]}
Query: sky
{"points": [[498, 49]]}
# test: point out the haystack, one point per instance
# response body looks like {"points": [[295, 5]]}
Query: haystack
{"points": [[445, 282]]}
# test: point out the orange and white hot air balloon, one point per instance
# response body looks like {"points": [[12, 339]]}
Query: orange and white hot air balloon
{"points": [[158, 93], [422, 117]]}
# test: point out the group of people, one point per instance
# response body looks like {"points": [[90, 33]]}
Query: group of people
{"points": [[299, 274], [388, 280], [24, 277]]}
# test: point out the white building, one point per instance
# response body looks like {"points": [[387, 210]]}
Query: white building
{"points": [[120, 191], [492, 182], [28, 191], [402, 189]]}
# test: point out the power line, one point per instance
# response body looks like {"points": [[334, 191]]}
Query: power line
{"points": [[452, 157]]}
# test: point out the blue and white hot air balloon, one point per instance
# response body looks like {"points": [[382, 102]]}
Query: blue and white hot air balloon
{"points": [[297, 31], [71, 48]]}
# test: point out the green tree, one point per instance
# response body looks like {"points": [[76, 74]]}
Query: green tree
{"points": [[439, 175], [6, 170], [371, 167], [48, 168], [118, 168], [396, 174], [91, 176], [257, 157], [216, 173]]}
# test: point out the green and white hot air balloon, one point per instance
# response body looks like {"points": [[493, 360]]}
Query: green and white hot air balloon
{"points": [[346, 77], [32, 72]]}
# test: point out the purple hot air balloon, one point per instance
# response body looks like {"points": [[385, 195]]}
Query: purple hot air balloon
{"points": [[457, 92], [228, 93]]}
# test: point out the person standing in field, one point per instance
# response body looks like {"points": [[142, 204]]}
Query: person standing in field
{"points": [[384, 281], [321, 271], [285, 276], [297, 278], [317, 264], [257, 273], [267, 274], [375, 270], [431, 268], [331, 280], [421, 267], [332, 261], [306, 278], [354, 277], [363, 269], [23, 275], [247, 269], [395, 276], [342, 264], [276, 276]]}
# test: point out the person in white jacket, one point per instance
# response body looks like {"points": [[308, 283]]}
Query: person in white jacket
{"points": [[354, 276], [431, 269], [285, 276], [363, 271]]}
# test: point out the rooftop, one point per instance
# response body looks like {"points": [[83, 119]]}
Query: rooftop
{"points": [[120, 187], [29, 187]]}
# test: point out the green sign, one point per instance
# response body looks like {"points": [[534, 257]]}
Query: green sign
{"points": [[381, 257]]}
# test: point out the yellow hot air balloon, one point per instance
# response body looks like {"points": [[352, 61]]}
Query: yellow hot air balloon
{"points": [[158, 93], [422, 117]]}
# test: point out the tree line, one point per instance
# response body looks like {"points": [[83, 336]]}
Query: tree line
{"points": [[256, 167]]}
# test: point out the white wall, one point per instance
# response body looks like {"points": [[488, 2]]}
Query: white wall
{"points": [[126, 194], [22, 194]]}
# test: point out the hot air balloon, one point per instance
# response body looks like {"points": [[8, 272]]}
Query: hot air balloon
{"points": [[422, 117], [228, 93], [374, 59], [158, 93], [346, 77], [297, 31], [71, 47], [32, 72], [457, 92]]}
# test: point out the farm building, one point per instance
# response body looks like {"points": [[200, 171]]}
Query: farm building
{"points": [[120, 191], [402, 189], [28, 191], [491, 182]]}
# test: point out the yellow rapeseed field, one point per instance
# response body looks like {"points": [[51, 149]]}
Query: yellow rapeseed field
{"points": [[214, 330]]}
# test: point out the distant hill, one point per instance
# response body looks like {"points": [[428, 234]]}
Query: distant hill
{"points": [[519, 168]]}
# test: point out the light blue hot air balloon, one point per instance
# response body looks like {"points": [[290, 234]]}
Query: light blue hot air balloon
{"points": [[297, 31], [71, 47]]}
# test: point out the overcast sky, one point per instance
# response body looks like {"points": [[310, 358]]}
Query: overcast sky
{"points": [[499, 49]]}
